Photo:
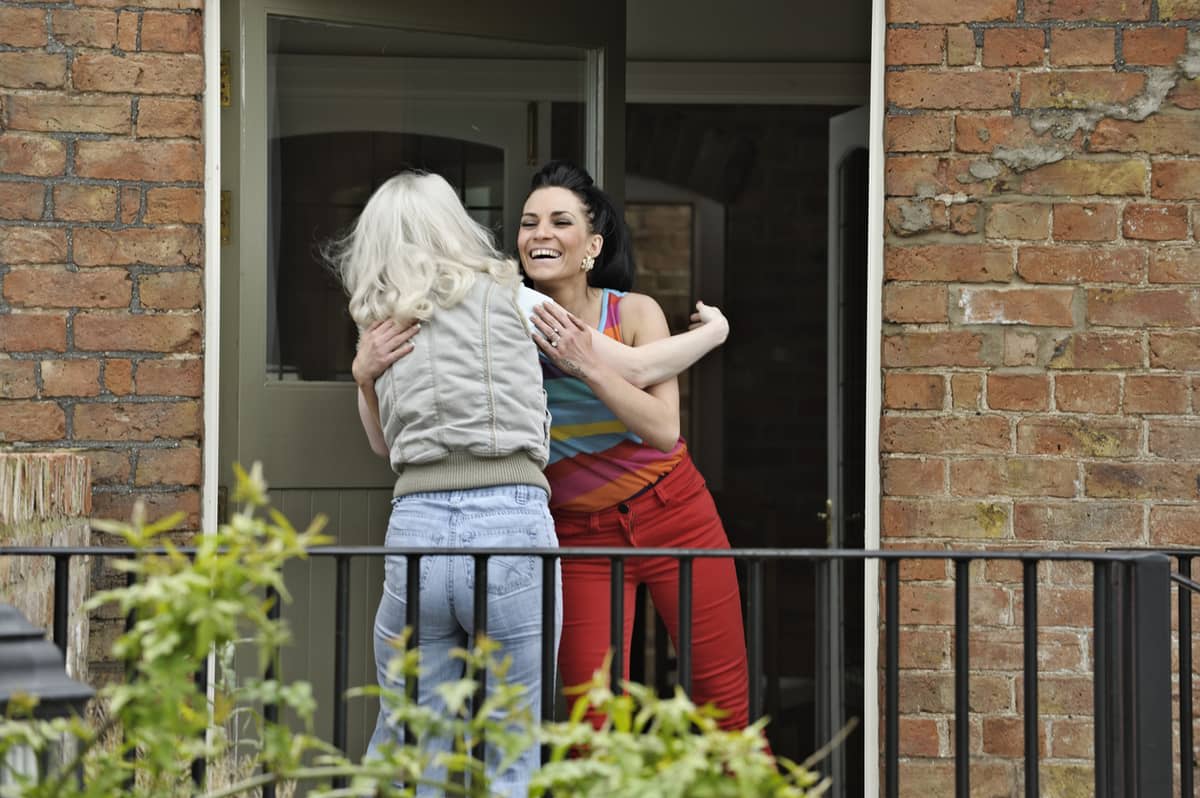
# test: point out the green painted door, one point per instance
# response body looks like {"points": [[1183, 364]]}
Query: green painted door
{"points": [[328, 100]]}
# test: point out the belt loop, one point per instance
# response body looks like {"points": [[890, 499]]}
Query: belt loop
{"points": [[594, 522]]}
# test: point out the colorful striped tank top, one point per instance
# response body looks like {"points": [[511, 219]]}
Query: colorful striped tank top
{"points": [[595, 461]]}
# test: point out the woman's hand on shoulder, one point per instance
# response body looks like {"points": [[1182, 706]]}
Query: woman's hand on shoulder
{"points": [[379, 346], [565, 339]]}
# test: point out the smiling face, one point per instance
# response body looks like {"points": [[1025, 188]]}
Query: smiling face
{"points": [[555, 236]]}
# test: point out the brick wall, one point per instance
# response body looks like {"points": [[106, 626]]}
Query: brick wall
{"points": [[1040, 351], [101, 197]]}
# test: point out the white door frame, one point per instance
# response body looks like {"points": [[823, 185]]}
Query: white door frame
{"points": [[773, 83]]}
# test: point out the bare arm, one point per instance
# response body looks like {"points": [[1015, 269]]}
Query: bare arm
{"points": [[647, 364], [380, 345], [653, 413]]}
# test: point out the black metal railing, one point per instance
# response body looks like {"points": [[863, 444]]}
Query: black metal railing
{"points": [[1132, 675]]}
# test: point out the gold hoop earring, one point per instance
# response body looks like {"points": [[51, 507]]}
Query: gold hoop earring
{"points": [[588, 263]]}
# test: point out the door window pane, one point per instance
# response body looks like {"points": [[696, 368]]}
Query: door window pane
{"points": [[351, 105]]}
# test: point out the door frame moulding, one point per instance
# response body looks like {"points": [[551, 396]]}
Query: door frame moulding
{"points": [[647, 82]]}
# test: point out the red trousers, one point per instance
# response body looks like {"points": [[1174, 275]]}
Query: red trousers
{"points": [[678, 512]]}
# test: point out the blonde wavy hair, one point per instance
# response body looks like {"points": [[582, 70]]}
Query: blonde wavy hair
{"points": [[413, 249]]}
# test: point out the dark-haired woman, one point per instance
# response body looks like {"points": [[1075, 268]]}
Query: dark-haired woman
{"points": [[619, 472]]}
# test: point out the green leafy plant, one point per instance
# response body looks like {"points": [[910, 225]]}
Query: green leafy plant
{"points": [[186, 605]]}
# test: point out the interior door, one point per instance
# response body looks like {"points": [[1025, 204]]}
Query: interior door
{"points": [[328, 99], [839, 669]]}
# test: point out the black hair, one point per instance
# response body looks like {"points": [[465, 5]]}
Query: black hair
{"points": [[614, 265]]}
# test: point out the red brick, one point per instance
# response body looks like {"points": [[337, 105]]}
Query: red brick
{"points": [[985, 434], [1074, 177], [966, 391], [139, 73], [1155, 222], [181, 466], [1088, 10], [36, 156], [32, 421], [1018, 391], [1082, 46], [1087, 393], [1154, 46], [1013, 47], [23, 70], [32, 245], [158, 246], [146, 421], [1142, 480], [1073, 739], [949, 263], [950, 90], [158, 504], [55, 113], [170, 377], [131, 204], [22, 27], [1159, 134], [1013, 476], [32, 332], [921, 778], [1175, 180], [70, 378], [174, 205], [956, 348], [22, 201], [1175, 265], [914, 303], [915, 45], [1046, 307], [919, 737], [1092, 221], [1174, 525], [974, 133], [934, 604], [1098, 351], [1004, 736], [161, 161], [55, 287], [1071, 437], [1019, 220], [960, 47], [109, 467], [917, 133], [84, 203], [170, 290], [162, 117], [1074, 265], [904, 391], [172, 32], [1173, 440], [940, 520], [939, 13], [1179, 351], [17, 379], [1155, 393], [1070, 606], [85, 28], [1185, 93], [127, 30], [1067, 89], [118, 376], [1128, 307], [913, 476], [125, 332]]}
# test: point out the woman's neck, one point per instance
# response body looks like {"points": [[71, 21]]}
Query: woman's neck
{"points": [[575, 296]]}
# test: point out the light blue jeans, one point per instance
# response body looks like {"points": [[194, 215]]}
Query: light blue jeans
{"points": [[503, 516]]}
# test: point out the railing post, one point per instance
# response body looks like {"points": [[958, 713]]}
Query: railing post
{"points": [[1133, 678]]}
